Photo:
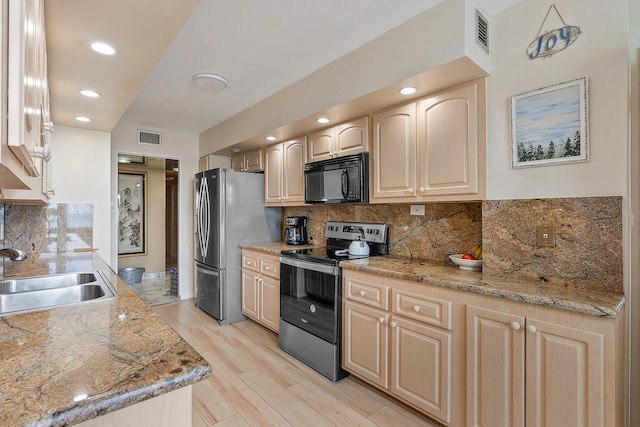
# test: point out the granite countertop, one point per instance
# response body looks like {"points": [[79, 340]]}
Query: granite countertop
{"points": [[437, 273], [274, 248], [115, 352], [450, 276]]}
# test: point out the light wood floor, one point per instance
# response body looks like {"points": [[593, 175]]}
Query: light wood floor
{"points": [[254, 383]]}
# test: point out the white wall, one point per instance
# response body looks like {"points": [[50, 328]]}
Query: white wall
{"points": [[80, 173], [600, 54], [175, 145]]}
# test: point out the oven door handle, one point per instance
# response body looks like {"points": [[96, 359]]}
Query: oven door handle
{"points": [[313, 266]]}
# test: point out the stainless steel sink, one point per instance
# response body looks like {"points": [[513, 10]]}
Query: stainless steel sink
{"points": [[37, 293]]}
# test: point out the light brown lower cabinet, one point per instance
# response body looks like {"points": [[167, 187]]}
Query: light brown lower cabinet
{"points": [[535, 366], [400, 339], [261, 288], [467, 359]]}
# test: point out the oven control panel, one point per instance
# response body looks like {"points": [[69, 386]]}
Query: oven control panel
{"points": [[372, 232]]}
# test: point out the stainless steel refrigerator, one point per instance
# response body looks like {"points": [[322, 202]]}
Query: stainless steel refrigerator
{"points": [[229, 210]]}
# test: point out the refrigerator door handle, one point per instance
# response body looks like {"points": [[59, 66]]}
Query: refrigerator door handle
{"points": [[204, 218]]}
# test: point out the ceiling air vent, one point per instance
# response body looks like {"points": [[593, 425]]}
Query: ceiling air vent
{"points": [[482, 31], [149, 138]]}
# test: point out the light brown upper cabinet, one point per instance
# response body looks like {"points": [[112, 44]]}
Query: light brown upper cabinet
{"points": [[248, 162], [284, 173], [432, 149], [341, 140]]}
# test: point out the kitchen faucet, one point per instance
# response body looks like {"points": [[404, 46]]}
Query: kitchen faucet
{"points": [[13, 254]]}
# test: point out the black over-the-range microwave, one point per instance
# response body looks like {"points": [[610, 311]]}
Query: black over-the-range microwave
{"points": [[339, 180]]}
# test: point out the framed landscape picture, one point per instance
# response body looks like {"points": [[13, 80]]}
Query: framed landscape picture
{"points": [[131, 213], [549, 126]]}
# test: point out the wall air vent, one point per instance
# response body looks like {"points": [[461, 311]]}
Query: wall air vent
{"points": [[149, 138], [482, 31]]}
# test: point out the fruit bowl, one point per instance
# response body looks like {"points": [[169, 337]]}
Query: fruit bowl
{"points": [[466, 264]]}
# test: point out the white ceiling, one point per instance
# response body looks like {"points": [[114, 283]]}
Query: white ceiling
{"points": [[259, 46]]}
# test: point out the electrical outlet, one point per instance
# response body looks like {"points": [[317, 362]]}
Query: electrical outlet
{"points": [[417, 210], [546, 235]]}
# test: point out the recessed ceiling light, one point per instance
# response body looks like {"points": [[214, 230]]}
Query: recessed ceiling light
{"points": [[210, 81], [410, 90], [270, 138], [103, 48], [236, 150], [89, 93], [83, 119], [322, 120]]}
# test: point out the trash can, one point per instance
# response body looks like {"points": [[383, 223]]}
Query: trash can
{"points": [[173, 289], [131, 275]]}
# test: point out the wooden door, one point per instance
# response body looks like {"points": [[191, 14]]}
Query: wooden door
{"points": [[321, 145], [273, 162], [565, 376], [253, 161], [352, 137], [394, 155], [366, 343], [421, 366], [250, 294], [448, 143], [495, 368], [293, 171], [237, 163], [270, 303]]}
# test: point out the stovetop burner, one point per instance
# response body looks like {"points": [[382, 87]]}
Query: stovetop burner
{"points": [[339, 237]]}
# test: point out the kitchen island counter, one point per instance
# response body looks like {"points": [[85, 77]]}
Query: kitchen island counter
{"points": [[601, 304], [69, 364]]}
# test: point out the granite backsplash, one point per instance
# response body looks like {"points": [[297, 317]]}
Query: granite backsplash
{"points": [[48, 228], [587, 255]]}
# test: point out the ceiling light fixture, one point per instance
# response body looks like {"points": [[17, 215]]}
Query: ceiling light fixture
{"points": [[210, 81], [83, 119], [410, 90], [322, 120], [89, 93], [103, 48], [270, 138], [236, 150]]}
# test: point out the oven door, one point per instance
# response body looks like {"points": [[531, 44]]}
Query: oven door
{"points": [[310, 297]]}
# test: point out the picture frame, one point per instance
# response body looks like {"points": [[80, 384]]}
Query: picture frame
{"points": [[131, 213], [549, 126]]}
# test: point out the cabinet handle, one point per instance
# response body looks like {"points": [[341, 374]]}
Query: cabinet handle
{"points": [[410, 190], [423, 190], [381, 320], [362, 293], [531, 329], [515, 325], [394, 324], [416, 308], [267, 268], [335, 154]]}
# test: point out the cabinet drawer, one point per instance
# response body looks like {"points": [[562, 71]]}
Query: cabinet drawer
{"points": [[270, 267], [424, 308], [250, 261], [366, 292]]}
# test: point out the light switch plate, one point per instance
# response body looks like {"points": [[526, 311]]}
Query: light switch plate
{"points": [[417, 210], [546, 235]]}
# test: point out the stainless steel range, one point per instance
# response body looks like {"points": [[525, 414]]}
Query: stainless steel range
{"points": [[311, 293]]}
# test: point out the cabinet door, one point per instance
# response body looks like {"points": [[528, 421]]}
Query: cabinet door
{"points": [[394, 154], [421, 366], [293, 171], [250, 294], [366, 343], [321, 145], [448, 143], [270, 303], [273, 162], [495, 368], [237, 163], [352, 137], [253, 161], [565, 375]]}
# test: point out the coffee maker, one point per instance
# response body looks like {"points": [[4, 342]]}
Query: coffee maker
{"points": [[295, 233]]}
